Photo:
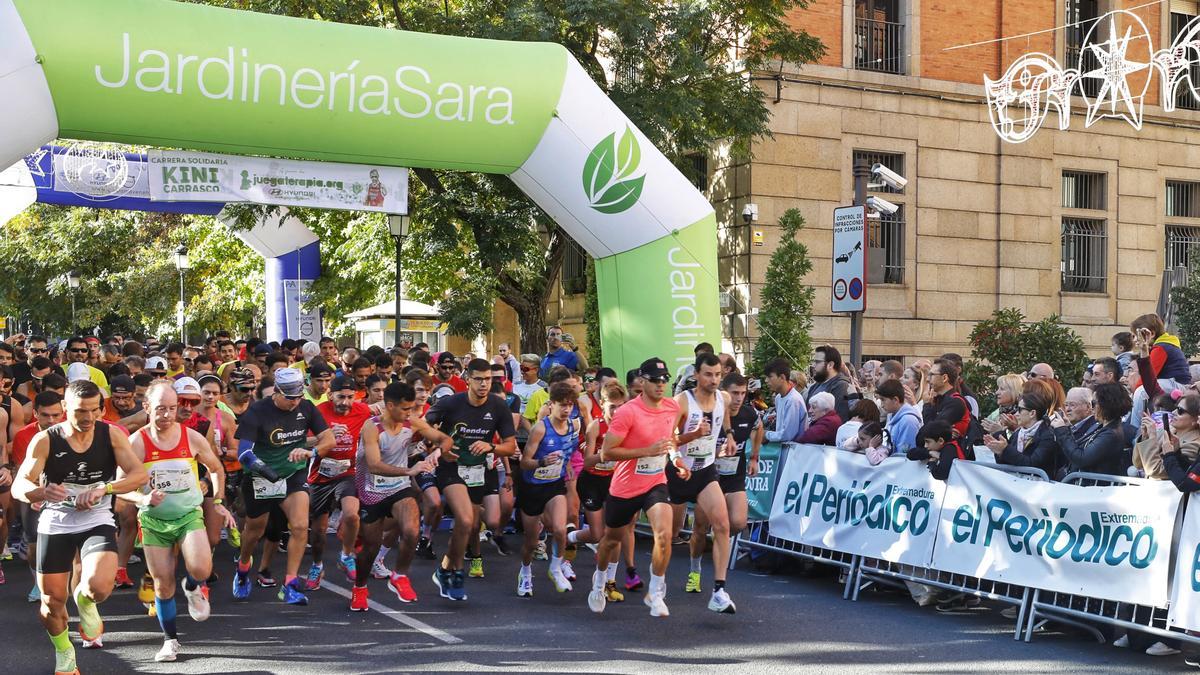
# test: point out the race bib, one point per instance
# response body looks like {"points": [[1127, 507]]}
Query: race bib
{"points": [[472, 475], [649, 466], [265, 489], [389, 483], [75, 489], [549, 472], [171, 480], [727, 466], [331, 468], [702, 447]]}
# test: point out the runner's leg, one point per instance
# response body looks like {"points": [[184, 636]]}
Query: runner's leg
{"points": [[712, 503], [407, 516], [350, 525], [459, 501], [295, 507]]}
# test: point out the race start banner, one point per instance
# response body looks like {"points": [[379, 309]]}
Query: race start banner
{"points": [[1185, 591], [177, 176], [1112, 543], [837, 500]]}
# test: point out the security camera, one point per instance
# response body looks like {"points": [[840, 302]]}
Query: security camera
{"points": [[749, 213], [889, 177], [882, 205]]}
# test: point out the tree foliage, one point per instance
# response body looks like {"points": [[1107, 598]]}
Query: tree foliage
{"points": [[1007, 343], [1186, 305], [684, 82], [785, 315], [591, 317]]}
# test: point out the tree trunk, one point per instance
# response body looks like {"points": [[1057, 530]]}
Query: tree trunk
{"points": [[532, 321]]}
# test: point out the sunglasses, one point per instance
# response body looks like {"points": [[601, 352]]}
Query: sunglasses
{"points": [[38, 350], [657, 380], [1183, 411], [75, 350]]}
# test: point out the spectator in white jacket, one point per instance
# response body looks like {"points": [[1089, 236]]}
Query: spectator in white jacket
{"points": [[790, 412]]}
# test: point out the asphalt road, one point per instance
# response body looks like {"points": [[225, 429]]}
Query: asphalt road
{"points": [[785, 623]]}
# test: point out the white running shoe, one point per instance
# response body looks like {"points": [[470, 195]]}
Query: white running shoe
{"points": [[597, 600], [169, 651], [721, 603], [656, 604], [197, 602], [98, 643], [561, 584], [1160, 649], [525, 584], [539, 553], [568, 571], [380, 570], [1121, 642]]}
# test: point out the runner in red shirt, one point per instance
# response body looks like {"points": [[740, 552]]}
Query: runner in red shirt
{"points": [[641, 439], [331, 479]]}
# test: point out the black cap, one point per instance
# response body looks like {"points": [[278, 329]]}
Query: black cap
{"points": [[343, 382], [654, 368], [319, 370], [122, 384]]}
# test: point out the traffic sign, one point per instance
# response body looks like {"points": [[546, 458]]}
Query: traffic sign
{"points": [[849, 259]]}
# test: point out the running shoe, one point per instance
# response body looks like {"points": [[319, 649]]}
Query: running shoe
{"points": [[290, 593], [197, 601], [91, 626], [235, 537], [539, 553], [425, 548], [633, 582], [485, 534], [358, 599], [347, 564], [241, 585], [6, 554], [145, 593], [458, 584], [500, 544], [1, 576], [597, 600], [316, 573], [476, 570], [379, 570], [561, 583], [525, 584], [123, 580], [442, 579], [34, 595], [402, 587], [611, 593], [283, 542], [656, 604], [134, 559], [569, 554], [265, 579], [693, 583], [1161, 649], [568, 571], [720, 602], [98, 643], [169, 651]]}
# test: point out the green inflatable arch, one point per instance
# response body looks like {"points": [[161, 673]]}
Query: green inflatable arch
{"points": [[163, 73]]}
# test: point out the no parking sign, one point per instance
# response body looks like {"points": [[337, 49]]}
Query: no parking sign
{"points": [[849, 259]]}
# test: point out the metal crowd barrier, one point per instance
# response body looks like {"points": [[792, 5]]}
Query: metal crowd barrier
{"points": [[872, 570], [1086, 612]]}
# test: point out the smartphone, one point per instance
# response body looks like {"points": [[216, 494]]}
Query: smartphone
{"points": [[1166, 423]]}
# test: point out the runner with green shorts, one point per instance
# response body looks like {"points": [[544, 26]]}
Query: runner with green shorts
{"points": [[170, 510]]}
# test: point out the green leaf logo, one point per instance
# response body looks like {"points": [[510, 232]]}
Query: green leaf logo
{"points": [[606, 173]]}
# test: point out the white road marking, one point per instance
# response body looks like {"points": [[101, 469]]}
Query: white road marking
{"points": [[397, 616]]}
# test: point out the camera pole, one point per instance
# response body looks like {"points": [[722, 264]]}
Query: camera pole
{"points": [[862, 174]]}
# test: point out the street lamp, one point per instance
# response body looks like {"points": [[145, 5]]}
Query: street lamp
{"points": [[399, 226], [73, 284], [183, 265]]}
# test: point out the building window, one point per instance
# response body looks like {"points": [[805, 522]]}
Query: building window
{"points": [[1182, 12], [1081, 16], [1183, 199], [1183, 246], [892, 160], [697, 170], [574, 268], [878, 36], [1084, 255], [1084, 190]]}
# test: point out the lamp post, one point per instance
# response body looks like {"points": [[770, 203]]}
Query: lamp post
{"points": [[73, 284], [183, 265], [399, 226]]}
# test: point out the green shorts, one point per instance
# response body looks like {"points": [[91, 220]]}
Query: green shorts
{"points": [[167, 533]]}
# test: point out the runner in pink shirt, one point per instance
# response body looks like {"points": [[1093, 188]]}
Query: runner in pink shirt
{"points": [[641, 439]]}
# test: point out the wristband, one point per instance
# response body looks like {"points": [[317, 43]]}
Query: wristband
{"points": [[218, 501], [108, 488]]}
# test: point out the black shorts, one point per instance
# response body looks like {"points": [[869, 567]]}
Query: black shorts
{"points": [[323, 498], [735, 482], [533, 497], [593, 490], [684, 492], [277, 523], [56, 552], [447, 474], [425, 480], [620, 511], [260, 507], [369, 513]]}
